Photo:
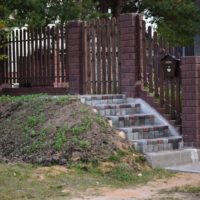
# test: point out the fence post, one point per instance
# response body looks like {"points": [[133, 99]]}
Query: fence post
{"points": [[130, 28], [191, 100], [1, 67], [75, 57]]}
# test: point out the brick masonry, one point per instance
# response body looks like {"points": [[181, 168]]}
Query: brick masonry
{"points": [[75, 57], [129, 35], [191, 100]]}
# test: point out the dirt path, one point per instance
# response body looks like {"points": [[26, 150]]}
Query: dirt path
{"points": [[150, 191]]}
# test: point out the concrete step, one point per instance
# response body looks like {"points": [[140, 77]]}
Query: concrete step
{"points": [[158, 144], [173, 158], [118, 109], [94, 100], [146, 132], [132, 120]]}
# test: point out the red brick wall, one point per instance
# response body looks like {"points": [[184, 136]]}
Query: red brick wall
{"points": [[191, 100], [129, 47], [75, 57]]}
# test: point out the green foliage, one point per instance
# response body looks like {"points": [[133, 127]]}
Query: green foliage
{"points": [[42, 12], [178, 21], [25, 98], [84, 144], [85, 125], [61, 100], [185, 189], [116, 157], [60, 137]]}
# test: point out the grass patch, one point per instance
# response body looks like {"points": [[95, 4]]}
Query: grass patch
{"points": [[185, 189], [24, 181], [124, 175], [60, 137]]}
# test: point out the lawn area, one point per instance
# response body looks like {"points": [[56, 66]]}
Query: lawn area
{"points": [[25, 181]]}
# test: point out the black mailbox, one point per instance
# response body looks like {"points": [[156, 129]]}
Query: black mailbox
{"points": [[170, 66]]}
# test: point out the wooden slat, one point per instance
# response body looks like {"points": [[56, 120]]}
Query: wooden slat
{"points": [[84, 44], [48, 57], [62, 51], [118, 64], [44, 55], [20, 57], [103, 39], [5, 52], [29, 63], [88, 60], [172, 98], [144, 69], [66, 54], [25, 57], [2, 76], [58, 52], [109, 56], [178, 98], [10, 59], [150, 59], [40, 58], [99, 77], [53, 54], [14, 56], [160, 72], [155, 63], [33, 63], [93, 58], [36, 57]]}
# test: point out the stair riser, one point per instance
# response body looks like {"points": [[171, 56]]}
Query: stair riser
{"points": [[148, 148], [119, 111], [147, 135], [131, 122], [105, 101]]}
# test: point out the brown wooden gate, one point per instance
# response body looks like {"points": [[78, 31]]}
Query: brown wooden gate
{"points": [[100, 53]]}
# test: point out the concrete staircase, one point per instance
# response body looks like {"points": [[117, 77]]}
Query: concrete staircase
{"points": [[143, 127]]}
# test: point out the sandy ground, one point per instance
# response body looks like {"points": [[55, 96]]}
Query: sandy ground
{"points": [[150, 191]]}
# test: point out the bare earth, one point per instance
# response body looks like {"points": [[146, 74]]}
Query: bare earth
{"points": [[151, 191]]}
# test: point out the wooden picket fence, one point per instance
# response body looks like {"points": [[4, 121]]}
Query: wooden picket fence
{"points": [[167, 91], [101, 52], [36, 57]]}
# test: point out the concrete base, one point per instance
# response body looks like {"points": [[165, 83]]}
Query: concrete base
{"points": [[190, 168], [173, 158]]}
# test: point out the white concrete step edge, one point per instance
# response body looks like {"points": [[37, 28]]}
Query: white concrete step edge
{"points": [[173, 158]]}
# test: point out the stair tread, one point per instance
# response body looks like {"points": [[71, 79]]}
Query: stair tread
{"points": [[132, 115], [144, 127], [117, 105], [156, 139]]}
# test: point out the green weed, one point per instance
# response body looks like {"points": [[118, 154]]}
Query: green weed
{"points": [[116, 157], [84, 126], [60, 137], [62, 100], [84, 144], [184, 189]]}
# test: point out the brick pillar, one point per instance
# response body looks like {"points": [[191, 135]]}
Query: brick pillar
{"points": [[130, 40], [191, 100], [75, 57]]}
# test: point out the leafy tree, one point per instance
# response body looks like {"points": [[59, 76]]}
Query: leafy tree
{"points": [[177, 20]]}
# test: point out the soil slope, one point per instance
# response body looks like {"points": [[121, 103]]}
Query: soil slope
{"points": [[45, 130]]}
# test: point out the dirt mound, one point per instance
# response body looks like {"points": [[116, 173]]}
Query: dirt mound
{"points": [[46, 130]]}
